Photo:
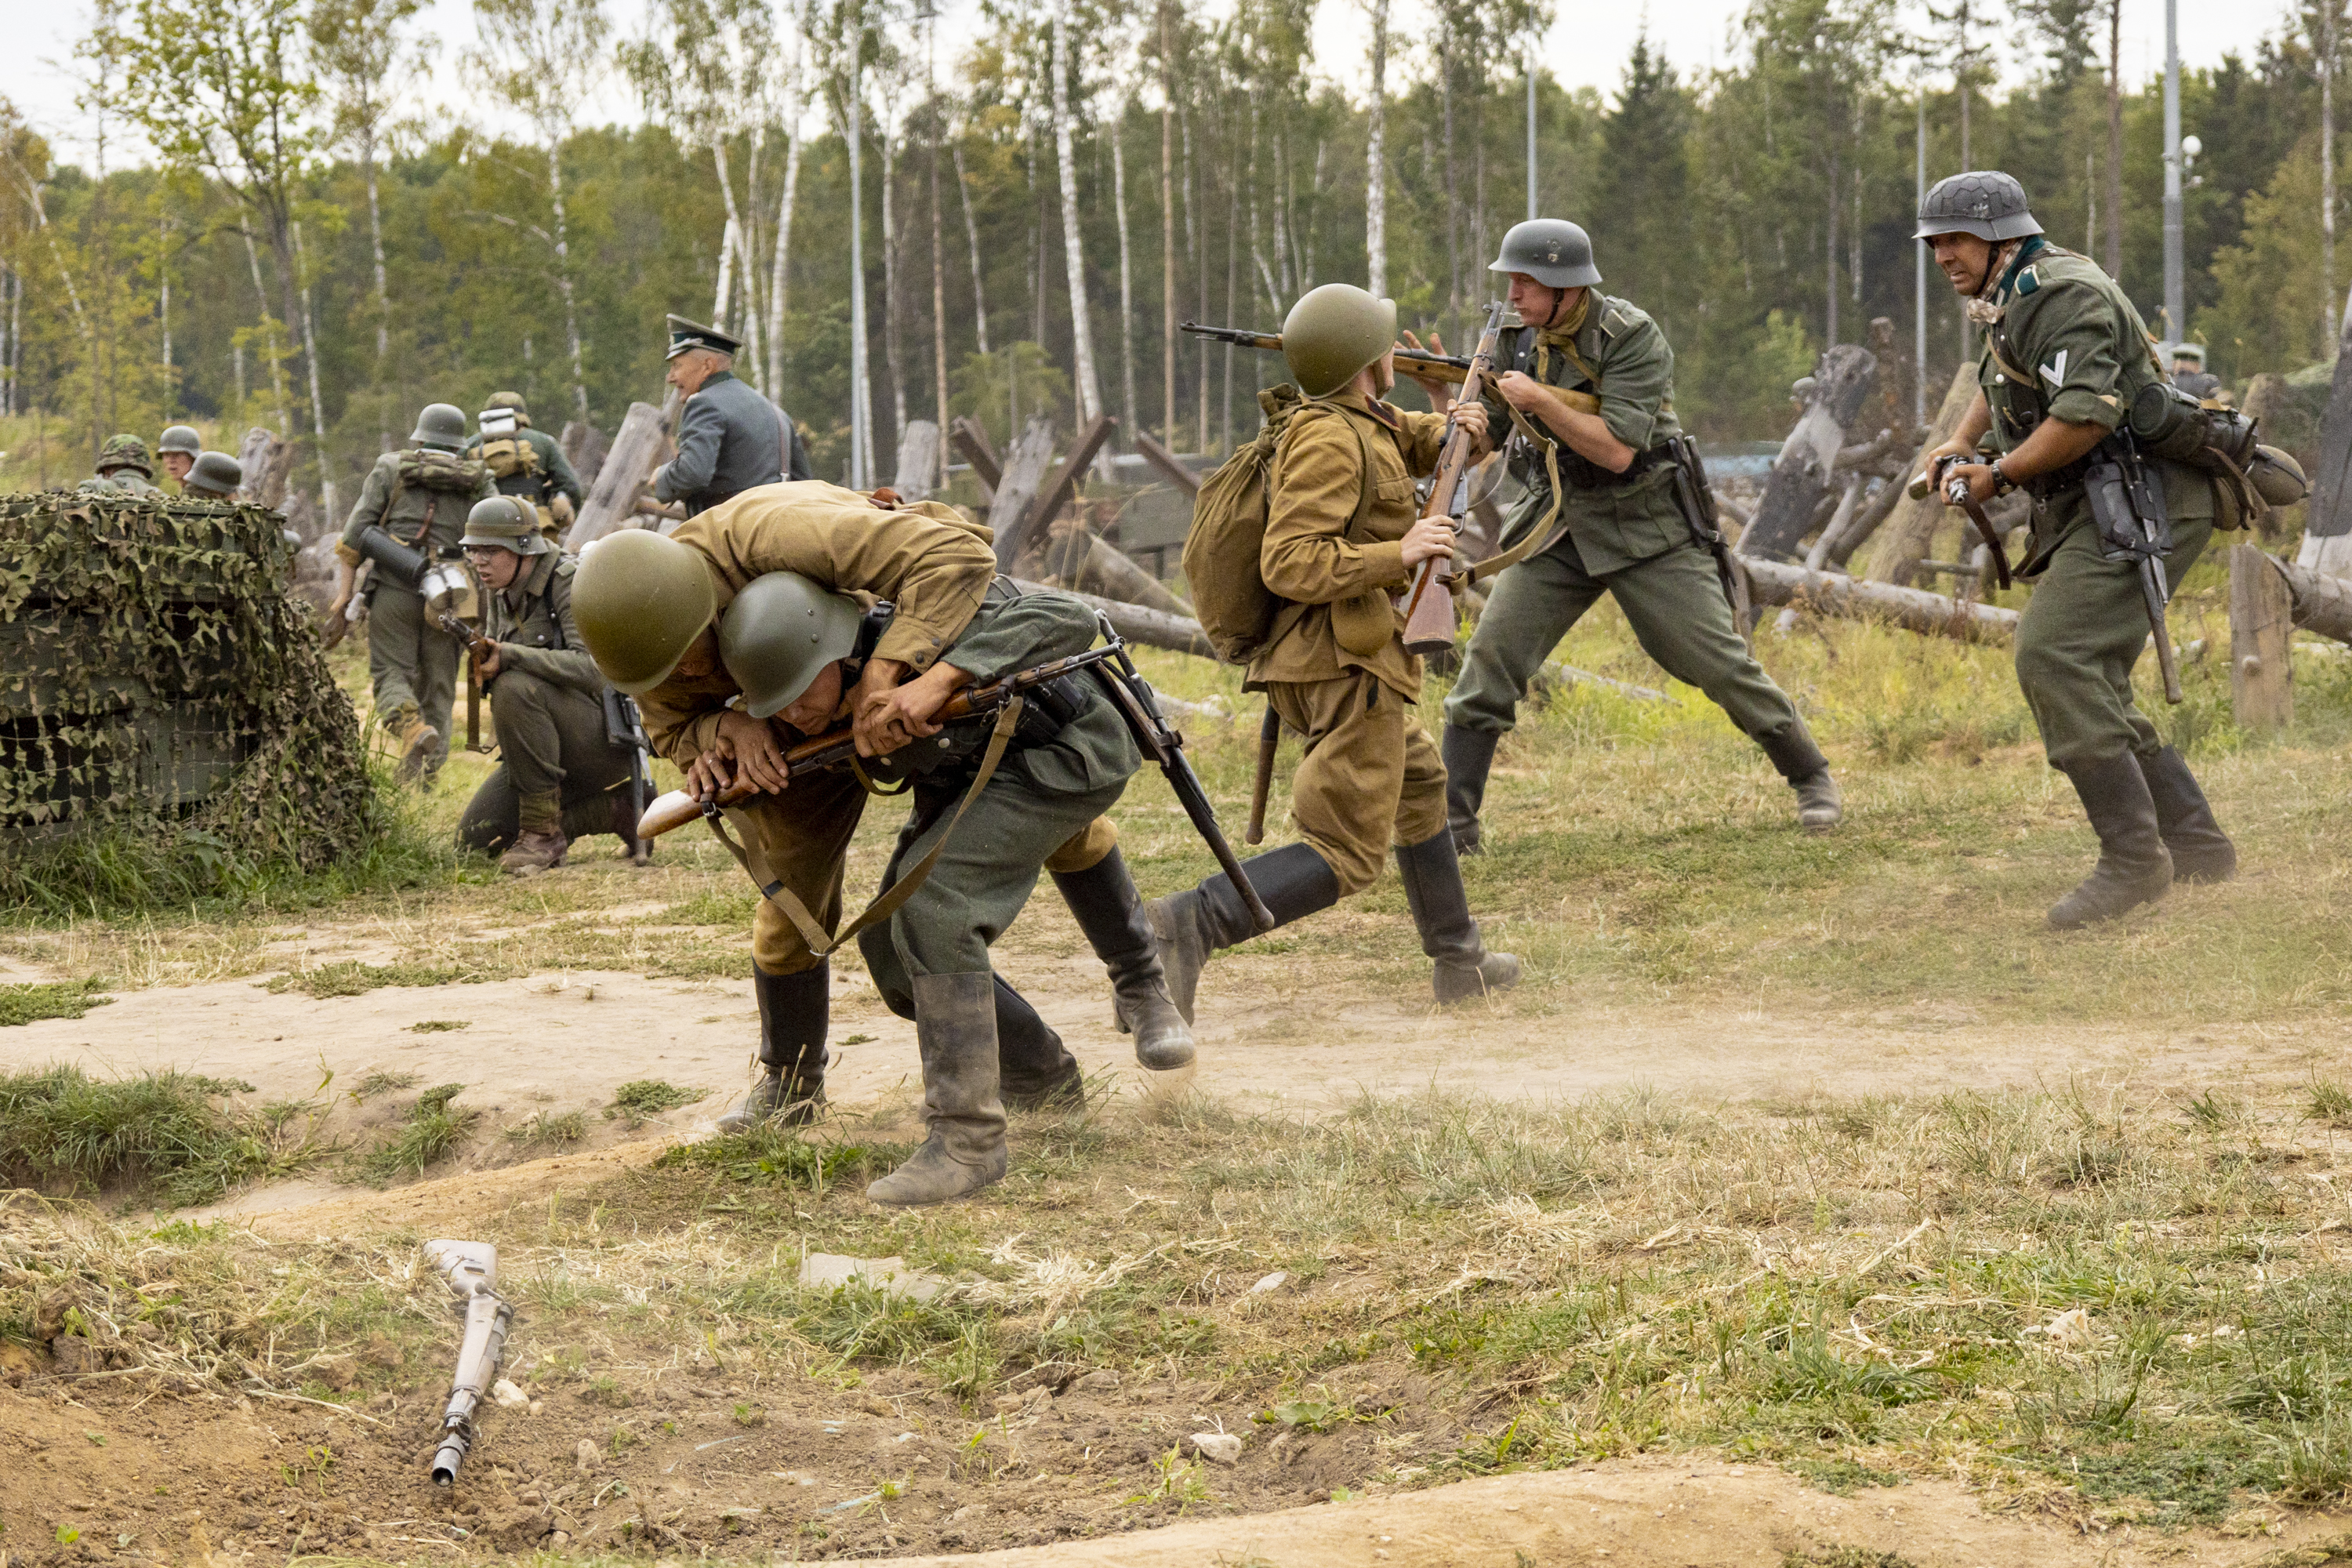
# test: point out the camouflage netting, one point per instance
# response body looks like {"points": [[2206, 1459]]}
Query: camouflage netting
{"points": [[151, 668]]}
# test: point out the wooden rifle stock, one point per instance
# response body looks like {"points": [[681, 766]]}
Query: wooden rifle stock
{"points": [[834, 748], [1429, 603]]}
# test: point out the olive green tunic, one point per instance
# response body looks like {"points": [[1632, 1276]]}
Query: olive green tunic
{"points": [[548, 699], [1626, 536], [410, 661], [2069, 345]]}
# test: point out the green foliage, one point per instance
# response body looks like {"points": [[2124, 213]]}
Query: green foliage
{"points": [[170, 1135], [771, 1154], [69, 999], [433, 1129], [641, 1097]]}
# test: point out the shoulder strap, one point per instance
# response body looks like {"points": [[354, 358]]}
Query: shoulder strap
{"points": [[1363, 445]]}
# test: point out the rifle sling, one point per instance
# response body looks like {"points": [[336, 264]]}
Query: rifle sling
{"points": [[1543, 535], [890, 900]]}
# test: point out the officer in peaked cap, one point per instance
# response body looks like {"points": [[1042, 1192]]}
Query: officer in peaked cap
{"points": [[729, 437]]}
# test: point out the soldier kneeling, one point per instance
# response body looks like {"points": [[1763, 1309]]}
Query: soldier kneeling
{"points": [[561, 775]]}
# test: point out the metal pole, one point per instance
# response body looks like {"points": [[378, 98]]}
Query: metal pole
{"points": [[1531, 126], [2176, 325], [859, 458], [1920, 279]]}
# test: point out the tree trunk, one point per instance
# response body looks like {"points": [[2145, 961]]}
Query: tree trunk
{"points": [[1376, 159], [2326, 176], [1083, 559], [1024, 471], [1902, 541], [780, 272], [894, 348], [938, 309], [1453, 190], [1126, 272], [1800, 474], [382, 293], [1074, 258], [269, 327], [1151, 628], [1771, 583], [563, 277], [739, 252], [972, 235], [2327, 523], [317, 404], [919, 460], [585, 448], [1167, 233]]}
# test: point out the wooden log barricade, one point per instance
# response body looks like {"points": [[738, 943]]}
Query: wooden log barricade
{"points": [[2261, 624], [1774, 583]]}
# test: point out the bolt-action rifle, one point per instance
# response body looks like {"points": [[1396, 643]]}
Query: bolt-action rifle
{"points": [[1271, 342], [471, 1268], [1956, 494], [478, 647], [1429, 603]]}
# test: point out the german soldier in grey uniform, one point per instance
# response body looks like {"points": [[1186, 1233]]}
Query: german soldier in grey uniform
{"points": [[559, 774], [527, 463], [1592, 379], [419, 497], [177, 450], [2066, 356], [729, 438]]}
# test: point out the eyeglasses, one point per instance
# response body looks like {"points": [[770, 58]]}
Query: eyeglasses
{"points": [[483, 552]]}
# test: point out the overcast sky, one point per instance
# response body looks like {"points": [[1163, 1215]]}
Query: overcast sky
{"points": [[1587, 48]]}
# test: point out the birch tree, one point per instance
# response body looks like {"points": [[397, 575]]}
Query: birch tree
{"points": [[543, 58], [1376, 159], [367, 64], [1074, 258]]}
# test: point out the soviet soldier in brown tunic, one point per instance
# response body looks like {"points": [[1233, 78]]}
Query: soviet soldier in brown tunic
{"points": [[1343, 536]]}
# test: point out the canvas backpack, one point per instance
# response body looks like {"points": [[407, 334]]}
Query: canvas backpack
{"points": [[1236, 609]]}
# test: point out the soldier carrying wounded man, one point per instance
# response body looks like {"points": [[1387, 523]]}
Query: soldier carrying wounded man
{"points": [[740, 634]]}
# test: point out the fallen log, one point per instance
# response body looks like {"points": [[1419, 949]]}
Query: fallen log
{"points": [[1152, 628], [2322, 602], [970, 441], [1086, 560], [1802, 473], [585, 448], [1170, 467], [1778, 583], [613, 499]]}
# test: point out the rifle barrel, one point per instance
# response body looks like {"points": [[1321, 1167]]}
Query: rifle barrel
{"points": [[1271, 342]]}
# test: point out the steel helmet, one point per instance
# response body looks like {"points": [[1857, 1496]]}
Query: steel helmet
{"points": [[1553, 251], [641, 598], [1985, 203], [780, 632], [124, 452], [441, 424], [215, 474], [181, 439], [503, 521], [1334, 331]]}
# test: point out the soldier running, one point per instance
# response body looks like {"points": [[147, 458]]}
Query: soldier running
{"points": [[790, 654], [1591, 378], [527, 463], [2065, 355], [1339, 541], [729, 437]]}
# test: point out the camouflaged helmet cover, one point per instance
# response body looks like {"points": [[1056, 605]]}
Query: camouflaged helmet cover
{"points": [[1333, 332], [214, 474], [124, 452], [640, 599], [441, 424], [1553, 251], [503, 523], [1984, 202], [181, 439], [780, 633]]}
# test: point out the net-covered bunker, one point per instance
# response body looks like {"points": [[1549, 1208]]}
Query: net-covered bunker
{"points": [[153, 672]]}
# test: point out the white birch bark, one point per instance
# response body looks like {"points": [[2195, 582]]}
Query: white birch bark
{"points": [[1126, 271], [725, 296], [971, 234], [1376, 183], [779, 275], [1073, 260]]}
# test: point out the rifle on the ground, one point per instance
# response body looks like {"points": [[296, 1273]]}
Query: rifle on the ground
{"points": [[1956, 494], [476, 646], [471, 1268], [1429, 603], [1271, 342]]}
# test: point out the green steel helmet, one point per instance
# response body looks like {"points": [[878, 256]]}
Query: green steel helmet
{"points": [[1985, 203], [215, 474], [441, 424], [181, 439], [2190, 351], [641, 598], [1334, 331], [1553, 251], [503, 523], [780, 633], [124, 452], [510, 400]]}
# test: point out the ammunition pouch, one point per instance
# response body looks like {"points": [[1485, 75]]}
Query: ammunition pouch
{"points": [[506, 455]]}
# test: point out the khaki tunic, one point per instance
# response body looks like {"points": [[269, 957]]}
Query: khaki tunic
{"points": [[1335, 666], [929, 562]]}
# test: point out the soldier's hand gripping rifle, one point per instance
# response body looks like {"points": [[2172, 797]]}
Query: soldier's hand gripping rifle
{"points": [[1429, 603], [471, 1268], [478, 648], [1271, 343], [1939, 477]]}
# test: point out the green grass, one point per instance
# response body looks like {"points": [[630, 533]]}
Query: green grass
{"points": [[173, 1137], [540, 1131], [29, 1004], [433, 1129], [354, 979], [641, 1097]]}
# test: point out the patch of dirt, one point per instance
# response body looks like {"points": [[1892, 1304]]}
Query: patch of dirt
{"points": [[710, 1464]]}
